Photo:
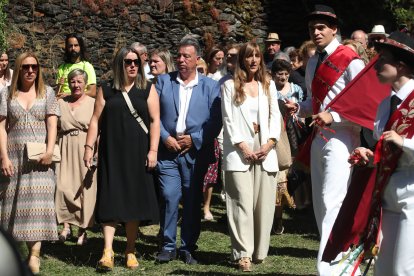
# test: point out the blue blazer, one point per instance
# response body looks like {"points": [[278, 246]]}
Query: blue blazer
{"points": [[203, 122]]}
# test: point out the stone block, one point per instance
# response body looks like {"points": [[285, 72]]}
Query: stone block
{"points": [[49, 9], [38, 14]]}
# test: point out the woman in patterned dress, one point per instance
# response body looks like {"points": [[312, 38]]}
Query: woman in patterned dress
{"points": [[28, 113]]}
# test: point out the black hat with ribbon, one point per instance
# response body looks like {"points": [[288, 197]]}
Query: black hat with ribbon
{"points": [[400, 44], [323, 12]]}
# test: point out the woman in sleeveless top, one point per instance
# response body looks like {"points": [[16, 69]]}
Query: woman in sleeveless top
{"points": [[126, 153]]}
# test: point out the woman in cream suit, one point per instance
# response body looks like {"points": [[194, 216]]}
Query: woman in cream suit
{"points": [[251, 122]]}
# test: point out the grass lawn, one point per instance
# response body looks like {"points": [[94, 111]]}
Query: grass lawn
{"points": [[293, 253]]}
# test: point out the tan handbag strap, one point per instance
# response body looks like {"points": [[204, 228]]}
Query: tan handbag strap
{"points": [[134, 112]]}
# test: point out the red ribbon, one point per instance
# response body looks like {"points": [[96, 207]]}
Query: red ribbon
{"points": [[378, 150]]}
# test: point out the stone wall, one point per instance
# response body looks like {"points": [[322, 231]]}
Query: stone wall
{"points": [[106, 25]]}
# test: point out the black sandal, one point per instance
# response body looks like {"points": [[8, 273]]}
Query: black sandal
{"points": [[68, 235]]}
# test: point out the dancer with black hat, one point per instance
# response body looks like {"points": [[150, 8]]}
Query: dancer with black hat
{"points": [[327, 74], [387, 199]]}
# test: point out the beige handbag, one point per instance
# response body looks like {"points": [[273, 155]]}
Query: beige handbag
{"points": [[35, 149], [284, 156]]}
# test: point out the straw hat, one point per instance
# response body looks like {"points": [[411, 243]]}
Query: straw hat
{"points": [[378, 30], [273, 37]]}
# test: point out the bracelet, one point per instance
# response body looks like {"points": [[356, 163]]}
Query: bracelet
{"points": [[272, 140], [87, 146]]}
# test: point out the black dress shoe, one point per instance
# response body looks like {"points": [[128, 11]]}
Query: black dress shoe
{"points": [[165, 256], [187, 258]]}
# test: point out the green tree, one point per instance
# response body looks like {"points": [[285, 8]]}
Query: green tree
{"points": [[403, 10], [3, 18]]}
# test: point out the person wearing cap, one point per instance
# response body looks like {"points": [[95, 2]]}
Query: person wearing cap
{"points": [[327, 74], [377, 34], [272, 48], [394, 129]]}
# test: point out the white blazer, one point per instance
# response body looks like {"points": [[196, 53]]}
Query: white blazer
{"points": [[238, 127]]}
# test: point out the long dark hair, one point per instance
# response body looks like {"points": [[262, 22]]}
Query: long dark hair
{"points": [[81, 45], [7, 72]]}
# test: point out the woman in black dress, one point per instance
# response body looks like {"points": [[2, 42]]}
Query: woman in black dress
{"points": [[126, 153]]}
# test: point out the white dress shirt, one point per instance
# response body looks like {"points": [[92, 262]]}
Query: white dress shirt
{"points": [[350, 72], [383, 113], [147, 71], [186, 90], [219, 74], [7, 82]]}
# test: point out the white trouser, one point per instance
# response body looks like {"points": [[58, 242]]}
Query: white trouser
{"points": [[396, 256], [330, 173], [250, 202]]}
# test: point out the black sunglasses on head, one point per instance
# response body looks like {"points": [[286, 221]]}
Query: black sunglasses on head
{"points": [[27, 66], [128, 61]]}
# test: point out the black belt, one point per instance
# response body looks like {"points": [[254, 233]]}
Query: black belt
{"points": [[71, 132]]}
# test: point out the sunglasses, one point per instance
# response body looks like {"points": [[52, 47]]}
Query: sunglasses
{"points": [[201, 70], [128, 61], [26, 67]]}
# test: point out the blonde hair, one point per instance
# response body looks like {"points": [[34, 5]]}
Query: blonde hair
{"points": [[240, 72], [166, 57], [202, 63], [359, 49], [16, 82], [306, 46]]}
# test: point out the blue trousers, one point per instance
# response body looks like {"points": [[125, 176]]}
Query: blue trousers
{"points": [[178, 179]]}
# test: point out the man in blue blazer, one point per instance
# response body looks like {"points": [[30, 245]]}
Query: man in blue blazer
{"points": [[190, 120]]}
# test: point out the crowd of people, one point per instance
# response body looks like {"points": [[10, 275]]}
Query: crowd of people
{"points": [[161, 134]]}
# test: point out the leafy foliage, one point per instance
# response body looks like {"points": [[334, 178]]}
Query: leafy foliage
{"points": [[403, 10], [3, 18]]}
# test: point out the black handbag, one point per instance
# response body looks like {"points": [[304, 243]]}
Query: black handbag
{"points": [[295, 178]]}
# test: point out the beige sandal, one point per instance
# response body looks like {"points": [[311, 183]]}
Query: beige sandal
{"points": [[245, 264], [34, 266]]}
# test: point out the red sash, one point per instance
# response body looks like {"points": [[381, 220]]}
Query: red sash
{"points": [[359, 219], [325, 77], [328, 73]]}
